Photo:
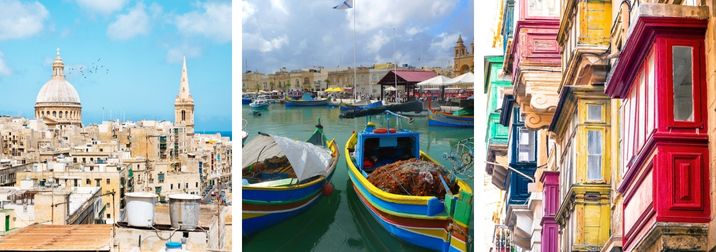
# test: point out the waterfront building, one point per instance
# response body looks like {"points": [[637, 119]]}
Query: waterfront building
{"points": [[664, 75], [58, 102], [184, 103], [253, 81]]}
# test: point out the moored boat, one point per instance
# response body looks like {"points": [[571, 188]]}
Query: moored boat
{"points": [[259, 103], [438, 222], [460, 118], [306, 101], [411, 106], [349, 107], [272, 197]]}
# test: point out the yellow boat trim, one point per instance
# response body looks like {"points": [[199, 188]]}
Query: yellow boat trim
{"points": [[458, 244], [252, 215], [372, 189], [334, 152]]}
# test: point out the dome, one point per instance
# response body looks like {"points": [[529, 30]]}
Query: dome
{"points": [[58, 90]]}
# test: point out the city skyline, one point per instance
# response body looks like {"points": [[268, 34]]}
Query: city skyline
{"points": [[275, 34], [124, 58]]}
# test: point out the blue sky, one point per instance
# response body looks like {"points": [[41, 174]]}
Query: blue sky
{"points": [[136, 47], [300, 34]]}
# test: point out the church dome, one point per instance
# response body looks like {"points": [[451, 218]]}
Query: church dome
{"points": [[58, 90]]}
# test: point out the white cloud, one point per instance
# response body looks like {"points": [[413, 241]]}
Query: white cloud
{"points": [[4, 69], [104, 7], [413, 30], [175, 54], [444, 41], [377, 41], [257, 42], [129, 25], [247, 10], [374, 14], [21, 19], [213, 21], [280, 6]]}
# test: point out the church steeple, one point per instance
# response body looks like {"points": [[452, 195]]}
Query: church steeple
{"points": [[184, 83], [184, 103], [460, 49]]}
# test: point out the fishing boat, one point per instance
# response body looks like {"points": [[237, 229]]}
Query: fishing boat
{"points": [[460, 118], [269, 198], [355, 107], [259, 103], [306, 101], [411, 106], [437, 222]]}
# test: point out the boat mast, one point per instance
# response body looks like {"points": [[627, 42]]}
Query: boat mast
{"points": [[395, 69], [355, 74]]}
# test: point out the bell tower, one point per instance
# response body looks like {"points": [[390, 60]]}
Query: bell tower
{"points": [[184, 103]]}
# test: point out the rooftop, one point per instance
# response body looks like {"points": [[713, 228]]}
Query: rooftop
{"points": [[96, 237]]}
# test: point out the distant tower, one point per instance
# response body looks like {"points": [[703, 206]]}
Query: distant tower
{"points": [[58, 103], [184, 103], [463, 61], [460, 49]]}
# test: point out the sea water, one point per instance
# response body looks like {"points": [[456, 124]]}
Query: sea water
{"points": [[338, 222]]}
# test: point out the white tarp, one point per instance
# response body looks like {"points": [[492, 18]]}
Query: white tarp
{"points": [[467, 78], [437, 81], [306, 159]]}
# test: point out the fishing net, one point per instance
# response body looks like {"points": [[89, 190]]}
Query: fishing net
{"points": [[272, 168], [412, 177]]}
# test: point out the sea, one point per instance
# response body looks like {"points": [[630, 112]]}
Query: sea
{"points": [[339, 222]]}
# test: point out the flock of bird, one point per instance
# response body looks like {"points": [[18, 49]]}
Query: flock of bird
{"points": [[94, 68]]}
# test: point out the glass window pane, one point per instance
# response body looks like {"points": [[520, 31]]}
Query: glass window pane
{"points": [[651, 96], [683, 87], [594, 154], [594, 113]]}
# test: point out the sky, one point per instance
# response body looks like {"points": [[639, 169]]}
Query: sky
{"points": [[303, 34], [134, 49]]}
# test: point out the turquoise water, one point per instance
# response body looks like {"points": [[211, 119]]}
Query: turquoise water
{"points": [[338, 222]]}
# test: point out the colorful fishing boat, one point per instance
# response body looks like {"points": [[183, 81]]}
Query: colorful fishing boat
{"points": [[270, 198], [445, 119], [425, 221], [349, 107], [462, 118], [306, 101]]}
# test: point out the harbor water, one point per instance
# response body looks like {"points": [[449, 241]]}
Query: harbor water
{"points": [[338, 222]]}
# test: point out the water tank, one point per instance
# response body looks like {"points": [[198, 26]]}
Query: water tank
{"points": [[184, 211], [140, 208]]}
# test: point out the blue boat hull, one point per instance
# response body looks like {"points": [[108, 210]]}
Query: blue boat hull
{"points": [[306, 103], [451, 121]]}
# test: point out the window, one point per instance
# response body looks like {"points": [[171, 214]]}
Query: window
{"points": [[682, 73], [88, 182], [594, 154], [108, 181], [594, 112], [171, 186], [183, 115], [186, 185], [178, 185], [526, 146], [76, 183], [197, 185]]}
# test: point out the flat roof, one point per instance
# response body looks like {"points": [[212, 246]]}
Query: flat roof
{"points": [[39, 237]]}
